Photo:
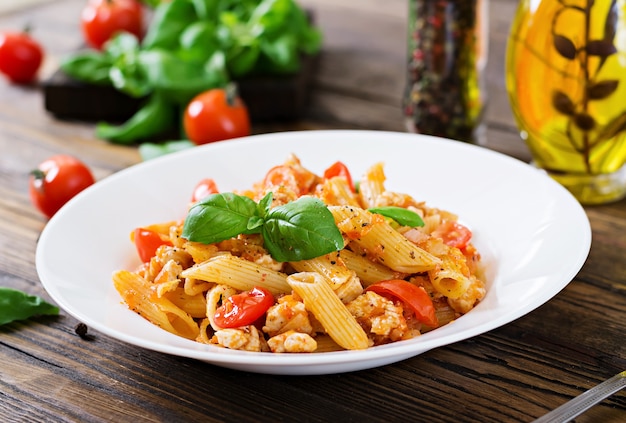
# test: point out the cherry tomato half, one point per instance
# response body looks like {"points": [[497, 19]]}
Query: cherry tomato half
{"points": [[20, 56], [283, 175], [339, 169], [243, 309], [146, 242], [453, 234], [414, 296], [204, 188], [102, 19], [56, 180], [215, 115]]}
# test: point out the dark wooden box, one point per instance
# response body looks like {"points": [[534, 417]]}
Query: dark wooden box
{"points": [[268, 98]]}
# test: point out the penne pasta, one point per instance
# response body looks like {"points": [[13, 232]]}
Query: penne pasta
{"points": [[328, 309], [372, 186], [267, 301], [386, 245], [341, 279], [336, 191], [369, 272], [238, 273], [138, 295]]}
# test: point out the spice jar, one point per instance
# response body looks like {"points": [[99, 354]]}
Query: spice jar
{"points": [[447, 53]]}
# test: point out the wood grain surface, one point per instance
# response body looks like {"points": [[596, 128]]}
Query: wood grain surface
{"points": [[512, 374]]}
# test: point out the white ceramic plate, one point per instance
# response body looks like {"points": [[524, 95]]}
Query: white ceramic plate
{"points": [[533, 235]]}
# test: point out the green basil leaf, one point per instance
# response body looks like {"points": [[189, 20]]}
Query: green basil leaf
{"points": [[282, 53], [169, 21], [179, 81], [265, 204], [18, 305], [218, 217], [90, 66], [198, 42], [121, 43], [301, 230], [401, 215]]}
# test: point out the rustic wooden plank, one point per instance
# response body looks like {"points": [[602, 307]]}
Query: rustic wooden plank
{"points": [[514, 373]]}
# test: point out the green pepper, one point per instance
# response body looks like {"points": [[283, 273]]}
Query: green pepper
{"points": [[180, 81], [126, 73]]}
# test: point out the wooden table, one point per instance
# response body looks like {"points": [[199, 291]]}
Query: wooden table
{"points": [[515, 373]]}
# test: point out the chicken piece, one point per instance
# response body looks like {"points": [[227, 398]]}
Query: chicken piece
{"points": [[292, 342], [246, 338], [166, 253], [169, 272], [288, 315], [382, 319]]}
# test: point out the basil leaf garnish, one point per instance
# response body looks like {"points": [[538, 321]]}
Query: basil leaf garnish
{"points": [[401, 215], [295, 231], [218, 217], [301, 230]]}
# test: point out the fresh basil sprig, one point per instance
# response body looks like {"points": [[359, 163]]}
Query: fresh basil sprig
{"points": [[401, 215], [299, 230], [18, 305]]}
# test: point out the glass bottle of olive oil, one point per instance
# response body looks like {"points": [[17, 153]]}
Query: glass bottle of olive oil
{"points": [[566, 80]]}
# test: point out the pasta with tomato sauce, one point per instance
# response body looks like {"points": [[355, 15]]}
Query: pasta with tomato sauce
{"points": [[304, 262]]}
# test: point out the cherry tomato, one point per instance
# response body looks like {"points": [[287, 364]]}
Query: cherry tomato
{"points": [[147, 241], [453, 234], [243, 309], [102, 19], [215, 115], [414, 296], [339, 169], [56, 180], [20, 56], [204, 188]]}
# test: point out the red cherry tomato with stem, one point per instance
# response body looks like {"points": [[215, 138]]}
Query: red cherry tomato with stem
{"points": [[147, 242], [243, 309], [56, 180], [102, 19], [203, 189], [340, 169], [215, 115], [20, 56], [412, 295]]}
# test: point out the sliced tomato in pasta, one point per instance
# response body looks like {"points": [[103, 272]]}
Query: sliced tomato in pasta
{"points": [[147, 241], [243, 309], [340, 169], [453, 234], [412, 295], [204, 188]]}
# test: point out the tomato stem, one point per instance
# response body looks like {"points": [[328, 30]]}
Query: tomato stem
{"points": [[39, 176], [231, 93], [38, 173]]}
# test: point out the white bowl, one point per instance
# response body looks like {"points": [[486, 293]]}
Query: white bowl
{"points": [[533, 235]]}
